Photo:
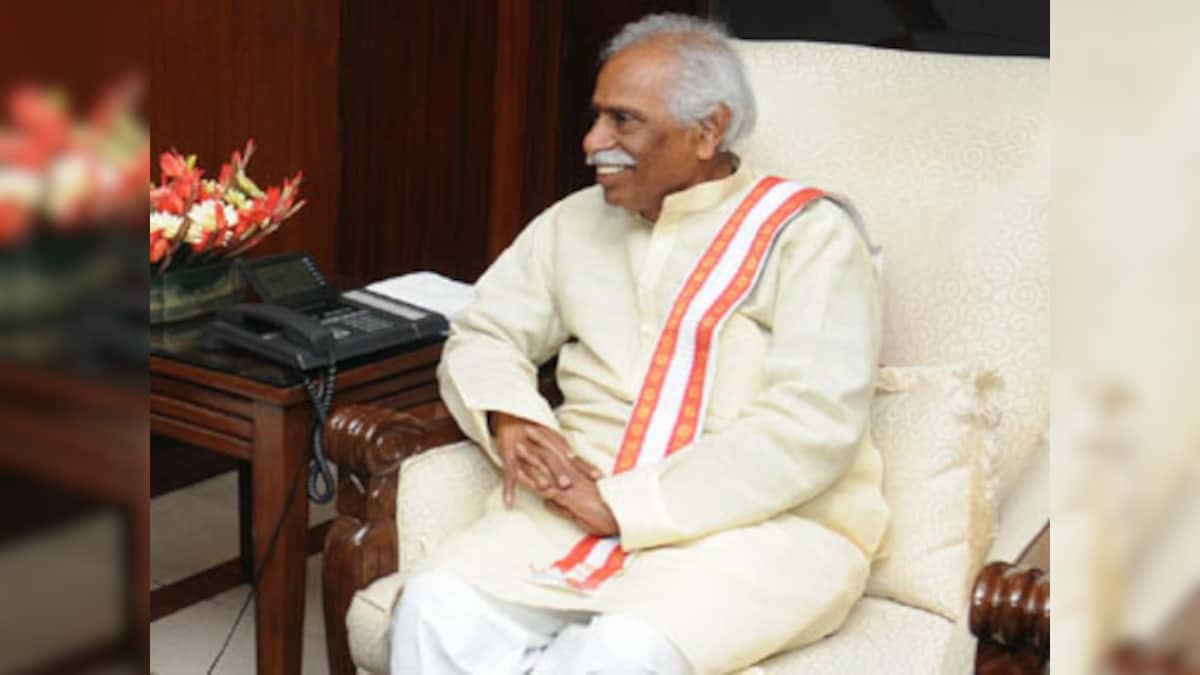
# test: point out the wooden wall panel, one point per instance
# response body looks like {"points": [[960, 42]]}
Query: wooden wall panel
{"points": [[417, 95], [223, 71], [82, 46], [463, 120], [527, 106]]}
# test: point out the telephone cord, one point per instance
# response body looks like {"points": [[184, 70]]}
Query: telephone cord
{"points": [[321, 486]]}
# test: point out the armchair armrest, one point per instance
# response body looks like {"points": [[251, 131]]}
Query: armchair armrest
{"points": [[1010, 613], [1010, 606], [368, 443]]}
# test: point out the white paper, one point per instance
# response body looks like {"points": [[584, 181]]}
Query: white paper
{"points": [[429, 290]]}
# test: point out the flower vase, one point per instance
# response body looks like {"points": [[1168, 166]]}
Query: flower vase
{"points": [[190, 291]]}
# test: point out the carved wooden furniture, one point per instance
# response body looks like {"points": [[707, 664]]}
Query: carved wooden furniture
{"points": [[368, 443], [260, 414], [1010, 614]]}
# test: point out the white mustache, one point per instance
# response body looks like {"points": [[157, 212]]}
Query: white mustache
{"points": [[613, 156]]}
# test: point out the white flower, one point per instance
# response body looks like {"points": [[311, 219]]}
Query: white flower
{"points": [[204, 218], [20, 186], [71, 179], [167, 222]]}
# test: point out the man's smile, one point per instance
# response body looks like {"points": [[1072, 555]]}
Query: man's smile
{"points": [[608, 175]]}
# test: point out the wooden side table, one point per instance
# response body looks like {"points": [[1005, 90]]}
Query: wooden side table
{"points": [[257, 412]]}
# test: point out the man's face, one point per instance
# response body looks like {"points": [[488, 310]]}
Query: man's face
{"points": [[641, 153]]}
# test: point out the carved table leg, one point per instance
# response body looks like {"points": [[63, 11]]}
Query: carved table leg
{"points": [[280, 443]]}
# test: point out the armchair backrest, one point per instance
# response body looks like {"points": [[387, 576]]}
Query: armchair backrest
{"points": [[948, 160]]}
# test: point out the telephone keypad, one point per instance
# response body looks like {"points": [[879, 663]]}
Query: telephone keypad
{"points": [[360, 320]]}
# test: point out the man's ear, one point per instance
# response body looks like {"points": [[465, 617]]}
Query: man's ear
{"points": [[712, 132]]}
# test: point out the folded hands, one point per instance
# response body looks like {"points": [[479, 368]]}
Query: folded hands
{"points": [[542, 461]]}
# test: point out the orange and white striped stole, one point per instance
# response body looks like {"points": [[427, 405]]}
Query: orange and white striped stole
{"points": [[670, 408]]}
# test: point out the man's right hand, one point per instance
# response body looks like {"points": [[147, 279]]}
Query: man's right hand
{"points": [[537, 457]]}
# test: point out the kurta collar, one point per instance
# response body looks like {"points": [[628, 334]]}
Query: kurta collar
{"points": [[709, 194]]}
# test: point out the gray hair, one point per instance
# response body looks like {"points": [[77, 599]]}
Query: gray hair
{"points": [[709, 71]]}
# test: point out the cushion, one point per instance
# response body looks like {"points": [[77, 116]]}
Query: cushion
{"points": [[935, 428], [369, 623], [430, 497], [948, 159], [879, 636], [440, 491]]}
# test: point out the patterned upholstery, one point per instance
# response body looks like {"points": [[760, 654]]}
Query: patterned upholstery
{"points": [[879, 636], [947, 158], [878, 631]]}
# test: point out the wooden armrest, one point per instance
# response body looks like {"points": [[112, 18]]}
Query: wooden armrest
{"points": [[368, 443], [1010, 612], [370, 440], [1010, 606]]}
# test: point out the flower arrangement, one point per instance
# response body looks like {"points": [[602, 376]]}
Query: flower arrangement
{"points": [[63, 173], [198, 220]]}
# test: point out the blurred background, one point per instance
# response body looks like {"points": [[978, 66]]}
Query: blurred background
{"points": [[74, 448]]}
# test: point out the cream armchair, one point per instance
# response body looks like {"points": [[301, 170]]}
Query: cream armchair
{"points": [[947, 159]]}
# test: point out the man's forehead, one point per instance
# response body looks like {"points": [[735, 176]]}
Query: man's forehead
{"points": [[633, 79]]}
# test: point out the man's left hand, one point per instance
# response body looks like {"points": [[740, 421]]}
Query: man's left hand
{"points": [[579, 500], [583, 504]]}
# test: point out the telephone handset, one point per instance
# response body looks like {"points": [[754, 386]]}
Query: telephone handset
{"points": [[278, 332]]}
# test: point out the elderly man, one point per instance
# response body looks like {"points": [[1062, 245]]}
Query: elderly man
{"points": [[706, 495]]}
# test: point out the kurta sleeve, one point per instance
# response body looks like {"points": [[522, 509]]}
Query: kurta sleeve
{"points": [[801, 433], [491, 358]]}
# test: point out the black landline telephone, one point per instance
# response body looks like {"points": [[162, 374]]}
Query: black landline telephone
{"points": [[304, 322]]}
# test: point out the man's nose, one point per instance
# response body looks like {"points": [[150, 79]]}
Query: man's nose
{"points": [[598, 137]]}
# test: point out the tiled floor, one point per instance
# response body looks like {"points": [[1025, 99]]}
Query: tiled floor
{"points": [[62, 590], [191, 530]]}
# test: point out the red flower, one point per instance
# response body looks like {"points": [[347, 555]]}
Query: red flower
{"points": [[14, 222], [202, 243], [172, 164], [259, 211], [41, 115], [165, 199], [158, 245]]}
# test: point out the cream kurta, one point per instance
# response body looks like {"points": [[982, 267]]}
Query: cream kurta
{"points": [[756, 537]]}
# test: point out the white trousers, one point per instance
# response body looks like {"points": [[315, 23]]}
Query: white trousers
{"points": [[444, 626]]}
